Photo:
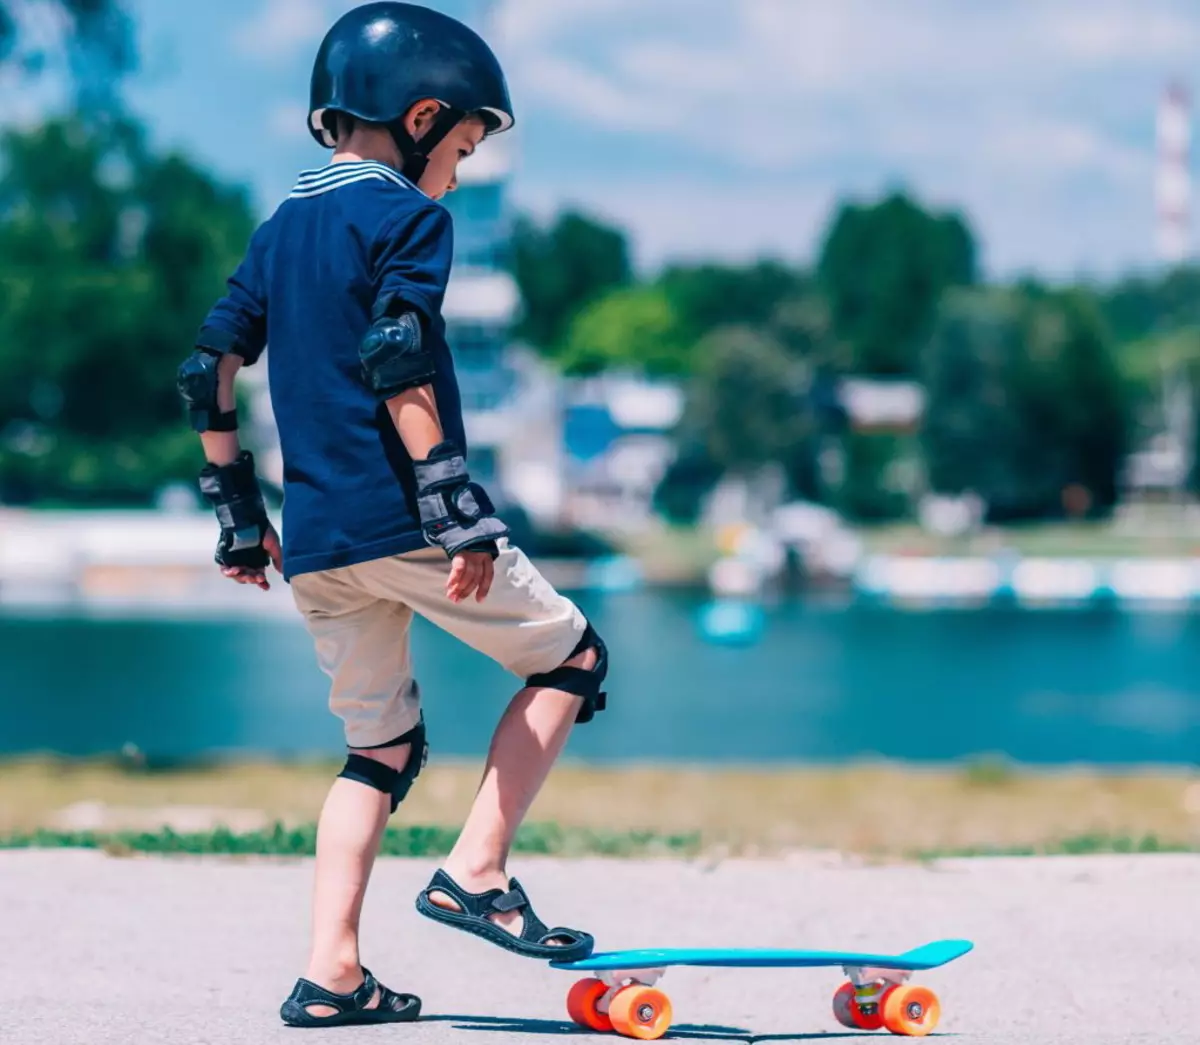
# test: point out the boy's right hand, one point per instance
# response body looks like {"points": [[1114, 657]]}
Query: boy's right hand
{"points": [[456, 514], [470, 572]]}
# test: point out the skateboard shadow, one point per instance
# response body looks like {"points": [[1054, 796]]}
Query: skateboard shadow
{"points": [[693, 1031]]}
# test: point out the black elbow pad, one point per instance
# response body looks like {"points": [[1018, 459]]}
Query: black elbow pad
{"points": [[394, 356], [196, 381]]}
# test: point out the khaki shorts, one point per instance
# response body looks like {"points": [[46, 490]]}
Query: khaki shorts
{"points": [[359, 616]]}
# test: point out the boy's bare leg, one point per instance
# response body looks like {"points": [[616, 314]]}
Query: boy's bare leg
{"points": [[348, 835], [528, 740]]}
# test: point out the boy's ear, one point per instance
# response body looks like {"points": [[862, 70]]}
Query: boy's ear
{"points": [[420, 116]]}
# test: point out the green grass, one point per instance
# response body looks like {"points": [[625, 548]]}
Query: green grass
{"points": [[415, 841], [983, 805], [537, 839], [1080, 845]]}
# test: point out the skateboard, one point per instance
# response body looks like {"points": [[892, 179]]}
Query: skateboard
{"points": [[620, 994]]}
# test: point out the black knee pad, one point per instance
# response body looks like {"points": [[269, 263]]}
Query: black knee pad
{"points": [[392, 782], [577, 681]]}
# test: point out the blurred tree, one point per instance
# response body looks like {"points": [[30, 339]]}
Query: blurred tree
{"points": [[745, 405], [109, 258], [706, 297], [874, 488], [680, 493], [635, 329], [1140, 306], [563, 268], [968, 376], [1025, 401], [884, 268], [96, 49]]}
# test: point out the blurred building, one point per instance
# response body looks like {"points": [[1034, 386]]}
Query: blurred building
{"points": [[480, 307], [616, 434]]}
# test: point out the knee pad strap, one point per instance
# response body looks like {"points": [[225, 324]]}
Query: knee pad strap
{"points": [[577, 681], [394, 783]]}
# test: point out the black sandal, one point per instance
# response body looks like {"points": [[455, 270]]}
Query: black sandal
{"points": [[472, 917], [351, 1008]]}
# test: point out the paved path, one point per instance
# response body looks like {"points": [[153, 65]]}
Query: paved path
{"points": [[96, 950]]}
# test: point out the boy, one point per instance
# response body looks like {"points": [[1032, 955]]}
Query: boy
{"points": [[345, 282]]}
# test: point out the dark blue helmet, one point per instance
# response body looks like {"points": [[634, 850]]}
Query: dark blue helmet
{"points": [[378, 60]]}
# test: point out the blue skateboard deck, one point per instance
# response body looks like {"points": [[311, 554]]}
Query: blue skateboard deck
{"points": [[929, 956], [620, 993]]}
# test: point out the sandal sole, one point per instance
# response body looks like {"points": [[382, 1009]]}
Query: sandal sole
{"points": [[295, 1015]]}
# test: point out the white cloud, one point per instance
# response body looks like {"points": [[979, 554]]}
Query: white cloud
{"points": [[282, 27], [1026, 113]]}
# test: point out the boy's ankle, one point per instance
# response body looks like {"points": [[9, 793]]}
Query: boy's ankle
{"points": [[474, 868], [340, 975]]}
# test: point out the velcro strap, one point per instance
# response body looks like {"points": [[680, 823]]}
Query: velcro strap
{"points": [[576, 681], [220, 341], [513, 900], [371, 772], [222, 421], [441, 471]]}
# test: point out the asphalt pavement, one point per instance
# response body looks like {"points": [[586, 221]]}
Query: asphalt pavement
{"points": [[97, 949]]}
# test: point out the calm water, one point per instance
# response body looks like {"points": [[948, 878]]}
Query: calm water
{"points": [[826, 683]]}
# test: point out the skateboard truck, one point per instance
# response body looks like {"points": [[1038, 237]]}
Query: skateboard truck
{"points": [[617, 979], [870, 985]]}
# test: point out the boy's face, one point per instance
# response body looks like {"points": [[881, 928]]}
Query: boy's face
{"points": [[441, 175]]}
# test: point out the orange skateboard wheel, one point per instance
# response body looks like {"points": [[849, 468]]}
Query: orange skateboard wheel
{"points": [[867, 1020], [911, 1011], [581, 1005], [640, 1012], [844, 1007]]}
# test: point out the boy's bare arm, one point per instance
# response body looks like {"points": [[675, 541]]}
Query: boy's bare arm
{"points": [[222, 448], [414, 413]]}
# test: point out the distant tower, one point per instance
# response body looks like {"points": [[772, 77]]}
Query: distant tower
{"points": [[1174, 187]]}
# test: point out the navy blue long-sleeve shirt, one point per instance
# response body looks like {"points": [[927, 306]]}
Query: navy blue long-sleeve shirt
{"points": [[350, 236]]}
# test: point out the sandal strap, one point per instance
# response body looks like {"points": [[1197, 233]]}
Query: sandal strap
{"points": [[513, 900], [307, 993], [390, 1000], [480, 905]]}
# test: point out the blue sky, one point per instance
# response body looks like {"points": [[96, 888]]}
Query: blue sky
{"points": [[728, 128]]}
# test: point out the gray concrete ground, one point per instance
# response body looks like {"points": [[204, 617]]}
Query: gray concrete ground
{"points": [[97, 950]]}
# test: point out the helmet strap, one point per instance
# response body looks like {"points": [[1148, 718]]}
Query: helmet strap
{"points": [[415, 152]]}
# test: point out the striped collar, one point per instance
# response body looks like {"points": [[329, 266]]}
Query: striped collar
{"points": [[335, 175]]}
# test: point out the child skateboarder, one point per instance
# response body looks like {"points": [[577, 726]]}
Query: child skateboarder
{"points": [[381, 518]]}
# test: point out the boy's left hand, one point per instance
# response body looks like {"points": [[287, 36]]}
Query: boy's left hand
{"points": [[470, 572], [248, 575]]}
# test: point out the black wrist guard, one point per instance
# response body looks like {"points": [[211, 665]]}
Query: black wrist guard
{"points": [[234, 493], [456, 514]]}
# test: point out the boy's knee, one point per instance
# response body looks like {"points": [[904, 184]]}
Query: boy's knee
{"points": [[390, 768], [585, 661], [581, 674]]}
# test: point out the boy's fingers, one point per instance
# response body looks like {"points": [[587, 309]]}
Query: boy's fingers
{"points": [[488, 572], [454, 584], [271, 545], [470, 578]]}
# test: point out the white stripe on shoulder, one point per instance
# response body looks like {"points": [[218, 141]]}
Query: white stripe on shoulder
{"points": [[334, 170], [335, 175]]}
